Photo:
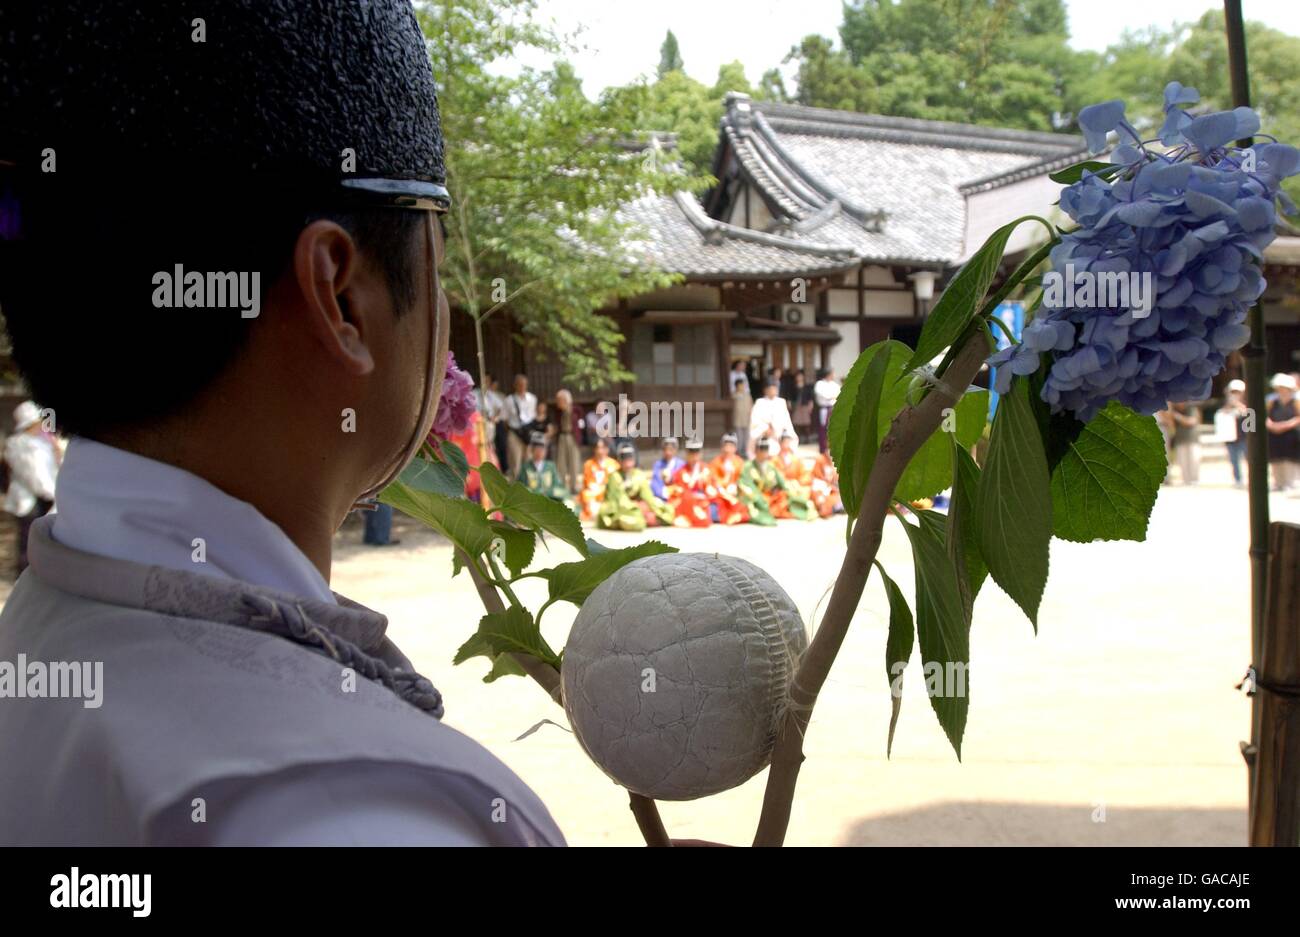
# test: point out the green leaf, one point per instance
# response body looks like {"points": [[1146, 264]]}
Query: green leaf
{"points": [[437, 477], [503, 632], [1072, 174], [534, 511], [1104, 487], [930, 470], [1014, 503], [964, 295], [963, 529], [941, 626], [520, 545], [504, 666], [454, 456], [573, 582], [459, 520], [873, 396], [898, 648]]}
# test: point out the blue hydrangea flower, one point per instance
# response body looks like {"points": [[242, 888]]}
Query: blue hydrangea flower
{"points": [[1195, 219]]}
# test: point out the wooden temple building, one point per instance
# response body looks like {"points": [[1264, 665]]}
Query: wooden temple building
{"points": [[825, 232]]}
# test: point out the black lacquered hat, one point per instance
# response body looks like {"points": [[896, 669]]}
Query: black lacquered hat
{"points": [[176, 101]]}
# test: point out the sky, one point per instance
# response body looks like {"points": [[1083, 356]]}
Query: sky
{"points": [[620, 39]]}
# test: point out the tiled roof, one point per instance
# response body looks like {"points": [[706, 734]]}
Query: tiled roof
{"points": [[891, 187], [681, 238]]}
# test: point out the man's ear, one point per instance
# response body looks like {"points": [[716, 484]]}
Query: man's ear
{"points": [[325, 265]]}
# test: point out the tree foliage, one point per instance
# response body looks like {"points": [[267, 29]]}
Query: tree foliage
{"points": [[670, 57], [1007, 63], [537, 172]]}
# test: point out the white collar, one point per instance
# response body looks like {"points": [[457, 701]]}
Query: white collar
{"points": [[118, 504]]}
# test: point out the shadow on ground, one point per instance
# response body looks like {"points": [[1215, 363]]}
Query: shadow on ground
{"points": [[1004, 824]]}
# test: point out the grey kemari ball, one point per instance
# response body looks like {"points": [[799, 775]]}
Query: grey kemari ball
{"points": [[676, 672]]}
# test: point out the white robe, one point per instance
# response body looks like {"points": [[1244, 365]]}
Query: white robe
{"points": [[770, 417], [225, 689]]}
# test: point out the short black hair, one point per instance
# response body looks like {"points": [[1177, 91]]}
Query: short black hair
{"points": [[76, 288]]}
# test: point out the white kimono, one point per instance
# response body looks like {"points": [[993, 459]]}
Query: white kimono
{"points": [[770, 417], [240, 702]]}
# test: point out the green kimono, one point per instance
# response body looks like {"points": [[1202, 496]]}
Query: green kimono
{"points": [[545, 481], [625, 497], [764, 490]]}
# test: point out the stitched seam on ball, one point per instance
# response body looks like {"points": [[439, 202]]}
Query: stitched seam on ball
{"points": [[778, 650]]}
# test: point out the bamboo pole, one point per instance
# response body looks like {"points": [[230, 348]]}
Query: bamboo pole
{"points": [[1275, 819], [1255, 354]]}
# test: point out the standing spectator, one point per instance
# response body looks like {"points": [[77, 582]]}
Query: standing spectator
{"points": [[379, 527], [770, 416], [565, 425], [33, 460], [737, 375], [520, 410], [742, 406], [492, 406], [1231, 416], [540, 425], [1185, 440], [1283, 426], [786, 380], [801, 406], [825, 392]]}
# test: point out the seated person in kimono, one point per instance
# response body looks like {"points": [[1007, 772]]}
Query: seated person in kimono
{"points": [[595, 478], [726, 468], [766, 492], [539, 475], [629, 502], [694, 504], [825, 486], [798, 475], [665, 467]]}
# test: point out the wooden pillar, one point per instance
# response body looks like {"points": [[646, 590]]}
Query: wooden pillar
{"points": [[1275, 800]]}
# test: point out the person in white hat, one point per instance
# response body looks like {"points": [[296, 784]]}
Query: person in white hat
{"points": [[1230, 427], [33, 460], [1283, 426]]}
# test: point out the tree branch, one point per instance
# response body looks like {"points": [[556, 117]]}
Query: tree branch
{"points": [[643, 808], [908, 432], [648, 820]]}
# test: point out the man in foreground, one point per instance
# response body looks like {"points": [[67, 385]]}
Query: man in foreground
{"points": [[292, 157]]}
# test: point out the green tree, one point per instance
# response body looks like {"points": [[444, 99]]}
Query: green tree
{"points": [[1133, 69], [1137, 68], [1000, 62], [536, 172], [679, 104], [731, 77], [670, 57], [1200, 59], [771, 87]]}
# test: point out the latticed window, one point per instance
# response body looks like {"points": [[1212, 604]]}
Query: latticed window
{"points": [[674, 355]]}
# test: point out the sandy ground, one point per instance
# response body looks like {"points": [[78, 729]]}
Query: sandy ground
{"points": [[1117, 724]]}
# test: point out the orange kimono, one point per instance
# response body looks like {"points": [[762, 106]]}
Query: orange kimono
{"points": [[595, 476], [797, 474], [825, 483], [694, 493], [726, 478]]}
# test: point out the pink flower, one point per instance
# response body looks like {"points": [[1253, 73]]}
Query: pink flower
{"points": [[456, 405]]}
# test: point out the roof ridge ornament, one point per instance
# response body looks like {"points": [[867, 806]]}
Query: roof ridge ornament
{"points": [[739, 104]]}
